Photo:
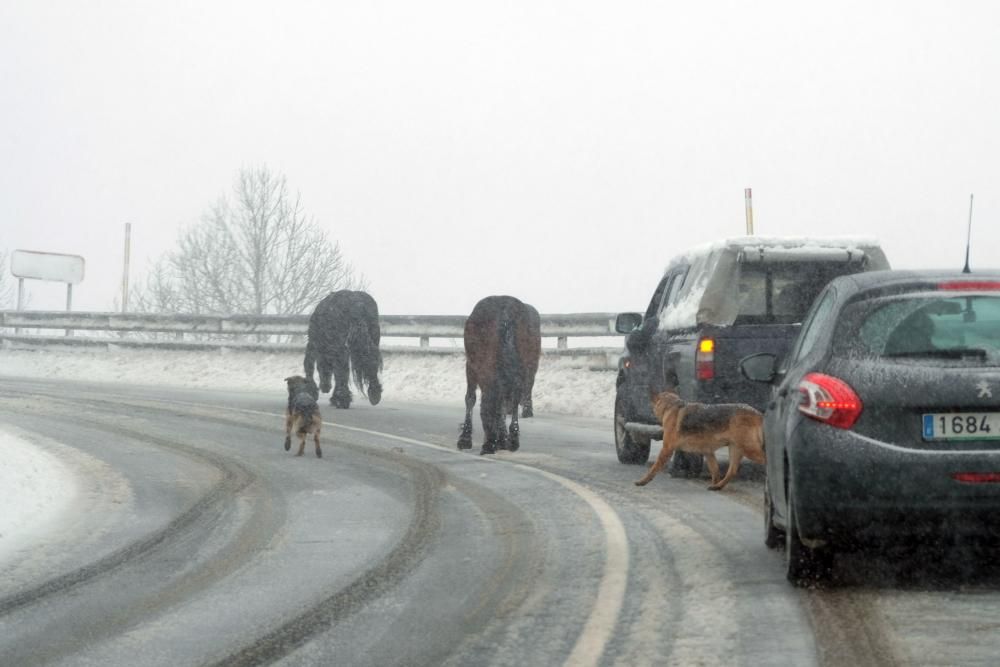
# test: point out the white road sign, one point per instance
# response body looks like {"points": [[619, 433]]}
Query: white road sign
{"points": [[47, 266]]}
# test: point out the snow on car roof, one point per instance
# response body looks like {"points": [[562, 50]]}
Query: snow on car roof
{"points": [[775, 242], [714, 263]]}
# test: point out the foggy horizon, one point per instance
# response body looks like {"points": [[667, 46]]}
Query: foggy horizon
{"points": [[561, 153]]}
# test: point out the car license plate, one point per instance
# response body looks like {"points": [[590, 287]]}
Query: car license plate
{"points": [[962, 426]]}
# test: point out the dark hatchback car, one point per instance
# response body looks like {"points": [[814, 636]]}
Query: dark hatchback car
{"points": [[884, 418]]}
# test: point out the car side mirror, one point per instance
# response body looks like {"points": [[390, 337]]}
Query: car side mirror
{"points": [[626, 323], [760, 367], [639, 338]]}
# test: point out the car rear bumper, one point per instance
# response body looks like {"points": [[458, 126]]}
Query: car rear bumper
{"points": [[847, 485]]}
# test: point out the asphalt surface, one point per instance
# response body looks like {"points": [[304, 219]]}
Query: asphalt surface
{"points": [[197, 540]]}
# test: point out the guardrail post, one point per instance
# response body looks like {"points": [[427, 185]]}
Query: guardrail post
{"points": [[562, 342], [425, 341]]}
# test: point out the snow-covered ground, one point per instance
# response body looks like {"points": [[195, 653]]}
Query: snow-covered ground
{"points": [[564, 385], [36, 487]]}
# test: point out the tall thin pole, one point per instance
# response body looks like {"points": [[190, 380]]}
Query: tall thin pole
{"points": [[749, 204], [128, 250], [968, 239]]}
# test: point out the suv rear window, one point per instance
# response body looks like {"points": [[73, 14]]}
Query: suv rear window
{"points": [[781, 293], [923, 326]]}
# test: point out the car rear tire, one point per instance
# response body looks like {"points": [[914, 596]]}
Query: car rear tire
{"points": [[804, 566], [773, 536], [629, 448]]}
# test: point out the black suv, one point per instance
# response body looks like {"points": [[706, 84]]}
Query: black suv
{"points": [[715, 305]]}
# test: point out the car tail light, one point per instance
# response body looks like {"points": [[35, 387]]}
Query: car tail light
{"points": [[971, 285], [704, 360], [829, 400], [977, 477]]}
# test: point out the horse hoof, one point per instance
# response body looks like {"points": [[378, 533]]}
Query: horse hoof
{"points": [[514, 445], [487, 450], [288, 445], [319, 454], [465, 443]]}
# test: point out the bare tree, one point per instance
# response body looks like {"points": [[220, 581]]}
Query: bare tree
{"points": [[257, 253], [156, 292]]}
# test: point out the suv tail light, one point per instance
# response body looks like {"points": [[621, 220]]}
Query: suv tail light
{"points": [[829, 400], [704, 360]]}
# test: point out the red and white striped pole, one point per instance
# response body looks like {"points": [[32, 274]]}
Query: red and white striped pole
{"points": [[749, 204]]}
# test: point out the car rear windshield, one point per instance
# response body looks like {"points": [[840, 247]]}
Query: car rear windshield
{"points": [[949, 328], [781, 293]]}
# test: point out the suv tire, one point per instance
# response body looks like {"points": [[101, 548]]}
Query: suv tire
{"points": [[630, 449], [804, 566]]}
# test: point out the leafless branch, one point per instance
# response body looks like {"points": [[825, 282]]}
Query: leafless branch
{"points": [[256, 253]]}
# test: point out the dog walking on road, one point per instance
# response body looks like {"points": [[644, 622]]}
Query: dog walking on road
{"points": [[302, 415], [701, 428]]}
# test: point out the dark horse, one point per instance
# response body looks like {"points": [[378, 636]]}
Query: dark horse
{"points": [[501, 356], [343, 340]]}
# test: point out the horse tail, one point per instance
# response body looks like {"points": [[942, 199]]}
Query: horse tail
{"points": [[366, 358], [509, 363]]}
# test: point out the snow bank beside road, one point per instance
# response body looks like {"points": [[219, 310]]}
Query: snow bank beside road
{"points": [[35, 490], [563, 385]]}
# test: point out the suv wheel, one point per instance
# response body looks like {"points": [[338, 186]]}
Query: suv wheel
{"points": [[804, 566], [629, 448]]}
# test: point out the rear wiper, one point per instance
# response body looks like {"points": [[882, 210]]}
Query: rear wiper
{"points": [[949, 353]]}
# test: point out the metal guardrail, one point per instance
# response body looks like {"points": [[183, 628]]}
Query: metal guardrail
{"points": [[237, 328]]}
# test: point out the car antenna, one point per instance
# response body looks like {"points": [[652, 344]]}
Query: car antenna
{"points": [[968, 238]]}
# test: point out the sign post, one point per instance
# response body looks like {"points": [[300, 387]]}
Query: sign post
{"points": [[46, 266], [747, 196]]}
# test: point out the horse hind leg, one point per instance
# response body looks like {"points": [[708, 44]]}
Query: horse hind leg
{"points": [[341, 396], [503, 437], [325, 371], [491, 411], [465, 434], [514, 439]]}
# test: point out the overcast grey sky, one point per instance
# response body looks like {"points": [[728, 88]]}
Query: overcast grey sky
{"points": [[556, 151]]}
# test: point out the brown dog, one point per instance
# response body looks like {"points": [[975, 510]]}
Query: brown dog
{"points": [[701, 428], [302, 415]]}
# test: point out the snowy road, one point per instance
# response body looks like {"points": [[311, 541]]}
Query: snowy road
{"points": [[192, 537]]}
